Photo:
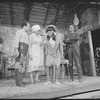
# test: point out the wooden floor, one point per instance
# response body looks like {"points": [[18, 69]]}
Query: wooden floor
{"points": [[9, 90]]}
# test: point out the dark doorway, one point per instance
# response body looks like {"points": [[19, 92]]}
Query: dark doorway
{"points": [[95, 38], [96, 48]]}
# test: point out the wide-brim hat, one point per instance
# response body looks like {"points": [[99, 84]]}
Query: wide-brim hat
{"points": [[51, 27]]}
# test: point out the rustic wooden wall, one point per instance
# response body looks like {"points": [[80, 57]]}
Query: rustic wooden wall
{"points": [[8, 35]]}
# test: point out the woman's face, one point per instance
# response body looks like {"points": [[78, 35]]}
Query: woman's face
{"points": [[38, 32], [50, 32]]}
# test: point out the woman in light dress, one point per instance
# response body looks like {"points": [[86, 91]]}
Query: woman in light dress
{"points": [[54, 52], [35, 53]]}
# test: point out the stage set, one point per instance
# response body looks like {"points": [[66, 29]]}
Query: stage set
{"points": [[8, 89]]}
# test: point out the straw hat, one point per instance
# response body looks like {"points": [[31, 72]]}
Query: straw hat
{"points": [[51, 27]]}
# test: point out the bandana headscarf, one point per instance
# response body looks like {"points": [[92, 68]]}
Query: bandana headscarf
{"points": [[35, 28]]}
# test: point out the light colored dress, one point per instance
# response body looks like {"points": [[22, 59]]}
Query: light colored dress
{"points": [[54, 50], [35, 51]]}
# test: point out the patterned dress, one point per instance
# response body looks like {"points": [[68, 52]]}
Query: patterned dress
{"points": [[35, 51], [53, 51]]}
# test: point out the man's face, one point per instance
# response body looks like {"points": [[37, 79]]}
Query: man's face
{"points": [[71, 28], [27, 27]]}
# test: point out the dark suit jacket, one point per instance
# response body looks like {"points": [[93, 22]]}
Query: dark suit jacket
{"points": [[72, 42]]}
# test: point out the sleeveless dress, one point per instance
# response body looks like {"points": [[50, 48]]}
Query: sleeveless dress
{"points": [[53, 56]]}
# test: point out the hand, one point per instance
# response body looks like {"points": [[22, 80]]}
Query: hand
{"points": [[16, 52], [30, 57]]}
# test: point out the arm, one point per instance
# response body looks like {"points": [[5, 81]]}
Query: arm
{"points": [[73, 38], [61, 49], [61, 46], [16, 43], [17, 39], [30, 45], [46, 47]]}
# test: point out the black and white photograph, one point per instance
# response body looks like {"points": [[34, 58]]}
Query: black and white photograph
{"points": [[49, 49]]}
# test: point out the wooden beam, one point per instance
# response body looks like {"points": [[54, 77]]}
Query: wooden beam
{"points": [[46, 14], [66, 23], [74, 7], [44, 5], [11, 13], [57, 14], [28, 10]]}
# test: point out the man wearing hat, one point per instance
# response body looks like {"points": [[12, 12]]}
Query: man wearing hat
{"points": [[21, 50]]}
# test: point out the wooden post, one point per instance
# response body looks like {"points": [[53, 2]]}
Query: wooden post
{"points": [[92, 63]]}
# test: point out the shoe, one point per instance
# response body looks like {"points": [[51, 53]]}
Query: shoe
{"points": [[47, 83], [70, 80], [22, 85], [57, 82], [31, 82], [37, 81]]}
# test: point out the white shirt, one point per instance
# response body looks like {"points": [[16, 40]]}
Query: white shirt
{"points": [[21, 36]]}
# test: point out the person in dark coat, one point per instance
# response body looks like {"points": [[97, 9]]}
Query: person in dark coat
{"points": [[73, 52]]}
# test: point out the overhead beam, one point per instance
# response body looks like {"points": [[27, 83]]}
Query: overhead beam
{"points": [[73, 9], [11, 13], [28, 10], [57, 14], [46, 14], [44, 5], [66, 23]]}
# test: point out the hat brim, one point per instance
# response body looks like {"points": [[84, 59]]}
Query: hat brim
{"points": [[51, 26]]}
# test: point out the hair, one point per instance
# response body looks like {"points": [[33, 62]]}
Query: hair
{"points": [[53, 37], [1, 40], [24, 23]]}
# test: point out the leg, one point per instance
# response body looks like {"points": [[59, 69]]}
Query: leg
{"points": [[48, 75], [37, 76], [18, 78], [77, 62], [31, 77], [68, 74], [54, 74], [57, 74], [63, 70], [70, 58]]}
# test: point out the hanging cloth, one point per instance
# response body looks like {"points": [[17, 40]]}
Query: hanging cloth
{"points": [[76, 20]]}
